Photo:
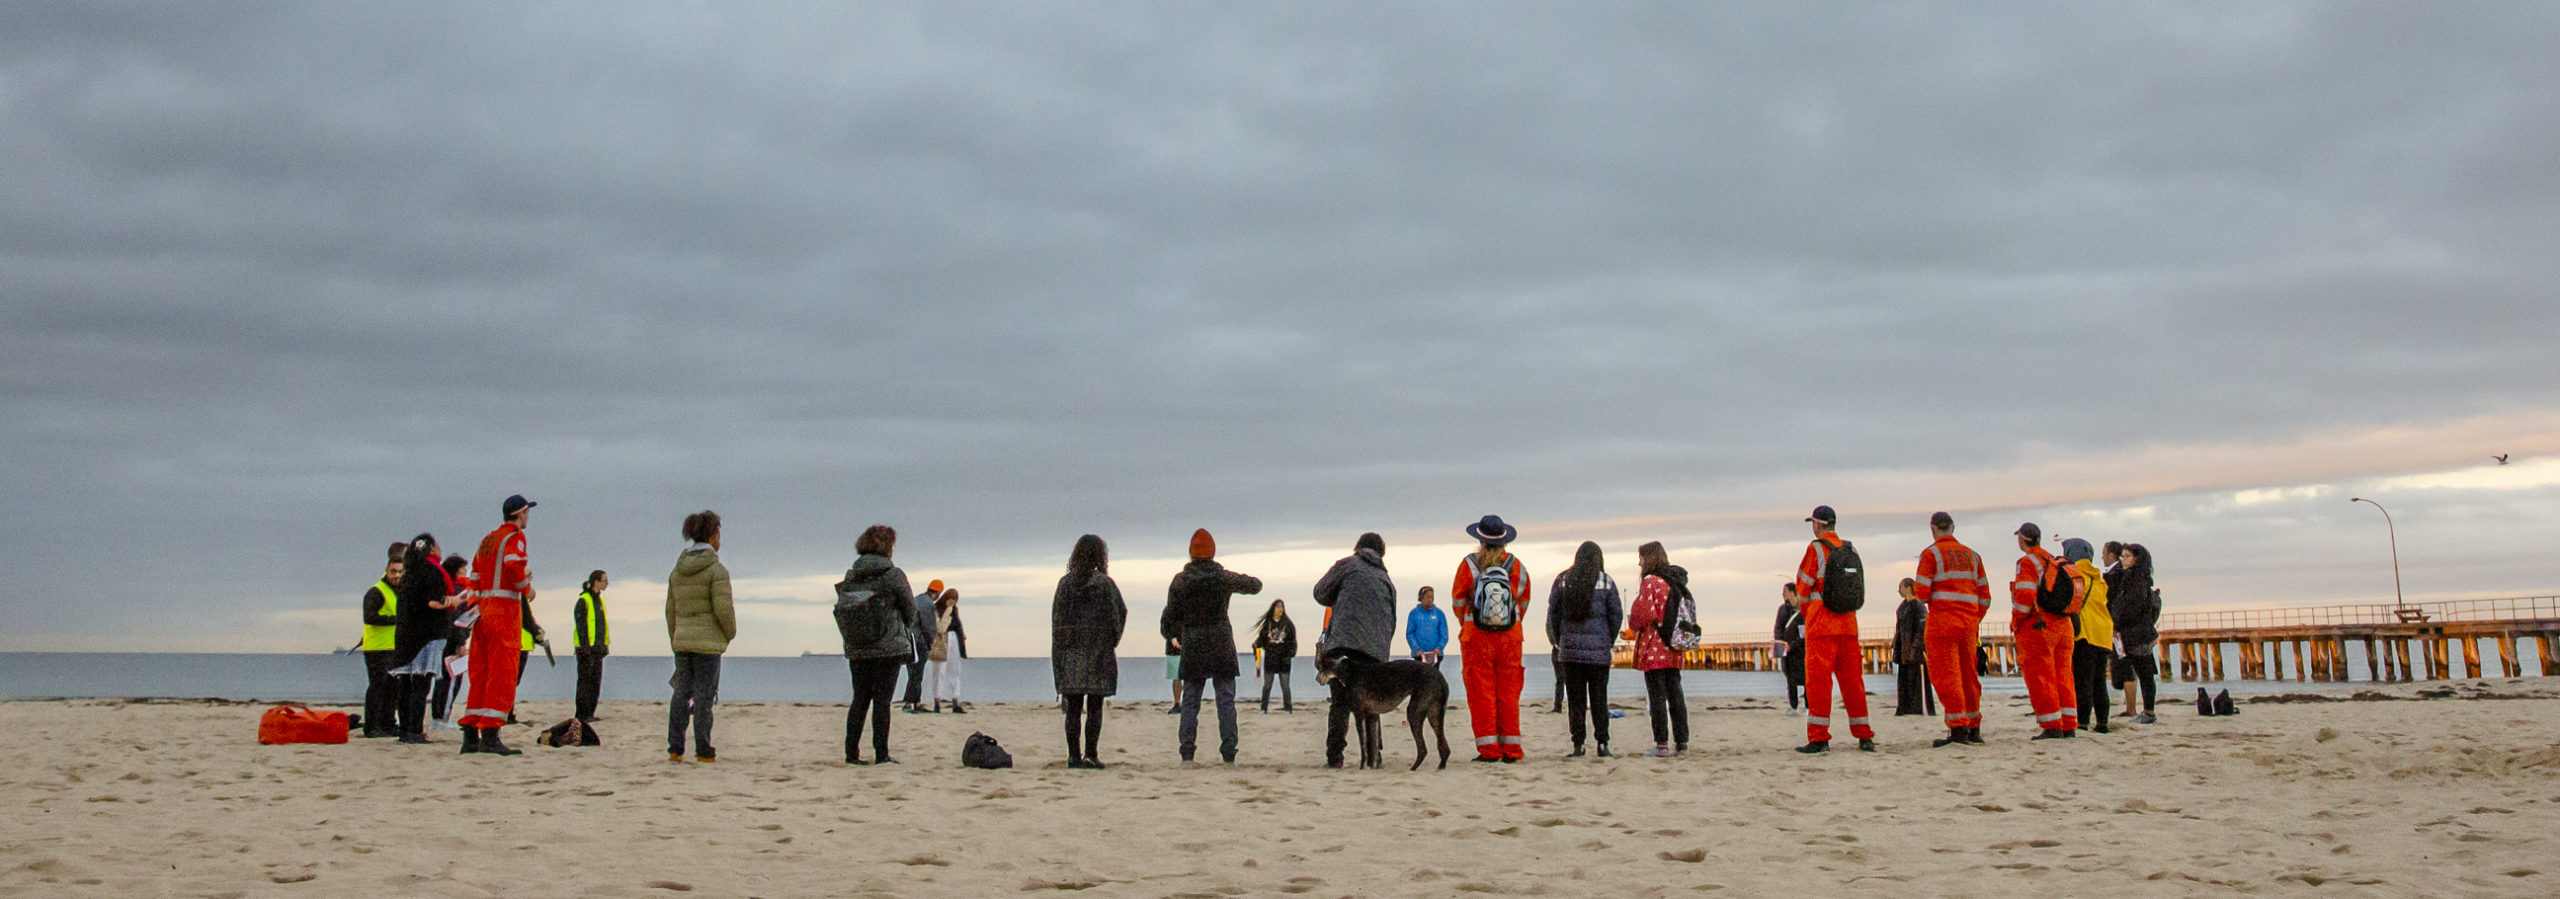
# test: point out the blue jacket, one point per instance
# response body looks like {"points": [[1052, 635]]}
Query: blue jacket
{"points": [[1426, 630], [1590, 640]]}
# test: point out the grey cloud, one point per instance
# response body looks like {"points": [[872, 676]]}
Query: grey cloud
{"points": [[295, 279]]}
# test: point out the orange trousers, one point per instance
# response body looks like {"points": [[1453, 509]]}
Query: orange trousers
{"points": [[1827, 659], [497, 643], [1952, 643], [1494, 680], [2044, 655]]}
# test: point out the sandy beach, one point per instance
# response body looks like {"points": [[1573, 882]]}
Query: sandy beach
{"points": [[2453, 795]]}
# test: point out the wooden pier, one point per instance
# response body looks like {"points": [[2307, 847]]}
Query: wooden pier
{"points": [[2417, 641]]}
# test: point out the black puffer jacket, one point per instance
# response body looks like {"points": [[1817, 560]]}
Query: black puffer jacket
{"points": [[419, 624], [1195, 612], [1086, 619], [2135, 610]]}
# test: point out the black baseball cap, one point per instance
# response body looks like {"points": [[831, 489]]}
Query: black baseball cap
{"points": [[1825, 515], [2031, 532], [1941, 520], [515, 504]]}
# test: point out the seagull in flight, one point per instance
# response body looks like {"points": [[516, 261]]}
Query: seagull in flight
{"points": [[2501, 457]]}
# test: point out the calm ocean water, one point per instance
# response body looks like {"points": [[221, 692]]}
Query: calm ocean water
{"points": [[340, 678]]}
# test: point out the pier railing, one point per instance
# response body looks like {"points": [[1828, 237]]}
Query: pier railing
{"points": [[2431, 640]]}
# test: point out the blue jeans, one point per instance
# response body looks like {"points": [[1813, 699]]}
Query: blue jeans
{"points": [[1226, 687]]}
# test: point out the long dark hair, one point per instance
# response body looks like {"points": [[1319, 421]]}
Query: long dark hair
{"points": [[1580, 582], [1651, 559], [1277, 612], [1090, 557], [2141, 563], [416, 555]]}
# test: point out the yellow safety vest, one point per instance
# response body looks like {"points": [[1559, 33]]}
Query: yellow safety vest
{"points": [[379, 637], [591, 613]]}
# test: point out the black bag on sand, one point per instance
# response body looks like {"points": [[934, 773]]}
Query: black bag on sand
{"points": [[570, 732], [2222, 704], [2204, 703], [982, 751]]}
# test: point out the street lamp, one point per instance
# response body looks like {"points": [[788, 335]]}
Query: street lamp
{"points": [[2399, 601]]}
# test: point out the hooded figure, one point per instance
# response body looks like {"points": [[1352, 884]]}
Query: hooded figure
{"points": [[1363, 600]]}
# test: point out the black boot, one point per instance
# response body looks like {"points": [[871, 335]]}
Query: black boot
{"points": [[1955, 737], [490, 744], [470, 740], [1973, 735], [1815, 746]]}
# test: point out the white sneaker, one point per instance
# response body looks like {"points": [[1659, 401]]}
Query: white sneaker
{"points": [[1795, 713]]}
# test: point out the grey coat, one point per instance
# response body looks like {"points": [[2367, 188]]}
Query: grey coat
{"points": [[1363, 601], [1086, 619], [887, 584], [1588, 640], [1195, 612]]}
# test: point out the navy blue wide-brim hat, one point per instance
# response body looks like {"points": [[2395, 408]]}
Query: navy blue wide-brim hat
{"points": [[1492, 530]]}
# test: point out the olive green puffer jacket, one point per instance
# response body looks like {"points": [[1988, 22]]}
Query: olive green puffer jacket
{"points": [[699, 617]]}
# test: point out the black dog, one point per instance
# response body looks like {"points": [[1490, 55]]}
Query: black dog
{"points": [[1375, 688]]}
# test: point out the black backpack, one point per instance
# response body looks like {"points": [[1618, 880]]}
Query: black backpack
{"points": [[982, 751], [862, 616], [1844, 580], [2053, 594]]}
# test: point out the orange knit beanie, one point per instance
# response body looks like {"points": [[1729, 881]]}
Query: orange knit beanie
{"points": [[1202, 545]]}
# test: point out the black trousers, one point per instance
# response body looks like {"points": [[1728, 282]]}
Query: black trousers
{"points": [[915, 681], [590, 679], [697, 690], [873, 681], [1667, 706], [1277, 670], [381, 696], [442, 693], [2090, 670], [1911, 694], [1586, 693], [413, 703], [2146, 668], [1793, 665], [1084, 714]]}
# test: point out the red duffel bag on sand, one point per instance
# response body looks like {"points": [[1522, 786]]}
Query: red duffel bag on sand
{"points": [[299, 724]]}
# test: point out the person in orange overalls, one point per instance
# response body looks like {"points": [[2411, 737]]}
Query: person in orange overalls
{"points": [[1491, 597], [1830, 645], [2044, 641], [500, 586], [1952, 581]]}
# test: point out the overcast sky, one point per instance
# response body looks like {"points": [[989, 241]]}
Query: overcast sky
{"points": [[280, 284]]}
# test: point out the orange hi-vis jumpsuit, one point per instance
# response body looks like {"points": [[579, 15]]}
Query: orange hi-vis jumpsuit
{"points": [[499, 582], [1951, 580], [1830, 651], [2044, 645], [1491, 663]]}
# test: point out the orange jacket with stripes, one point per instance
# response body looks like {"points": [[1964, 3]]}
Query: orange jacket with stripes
{"points": [[2022, 591], [1952, 581]]}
